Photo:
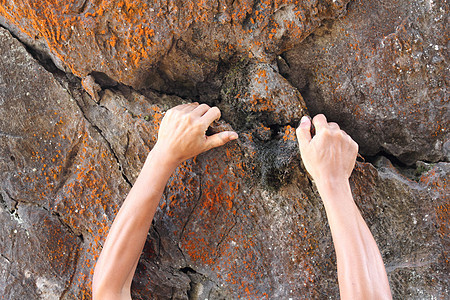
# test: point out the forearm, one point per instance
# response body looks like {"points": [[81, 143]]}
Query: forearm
{"points": [[128, 233], [361, 272]]}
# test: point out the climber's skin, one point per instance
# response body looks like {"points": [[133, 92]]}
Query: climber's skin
{"points": [[329, 157]]}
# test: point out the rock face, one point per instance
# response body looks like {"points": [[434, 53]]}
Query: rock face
{"points": [[388, 86], [80, 107], [184, 40]]}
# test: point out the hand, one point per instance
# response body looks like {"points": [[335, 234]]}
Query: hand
{"points": [[331, 154], [182, 133]]}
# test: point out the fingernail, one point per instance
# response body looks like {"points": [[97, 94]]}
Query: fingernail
{"points": [[304, 119], [233, 136]]}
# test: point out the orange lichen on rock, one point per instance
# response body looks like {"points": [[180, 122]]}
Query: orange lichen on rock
{"points": [[124, 38], [289, 134]]}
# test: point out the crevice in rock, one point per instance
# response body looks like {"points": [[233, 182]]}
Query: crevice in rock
{"points": [[6, 258], [147, 91], [70, 229], [69, 283], [69, 161], [197, 202], [103, 80], [75, 84], [41, 57], [13, 211], [100, 132], [45, 61], [82, 7], [158, 236], [374, 158], [182, 253], [201, 286], [412, 172], [124, 176], [3, 202], [226, 234], [187, 270], [195, 286]]}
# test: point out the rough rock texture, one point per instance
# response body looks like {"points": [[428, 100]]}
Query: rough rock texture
{"points": [[382, 72], [186, 40], [243, 220]]}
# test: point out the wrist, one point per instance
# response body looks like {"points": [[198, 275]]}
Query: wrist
{"points": [[158, 163], [331, 182], [153, 177], [163, 158], [331, 188]]}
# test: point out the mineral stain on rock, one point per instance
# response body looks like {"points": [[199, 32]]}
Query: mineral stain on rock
{"points": [[84, 85]]}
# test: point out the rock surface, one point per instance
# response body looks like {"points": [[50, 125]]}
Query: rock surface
{"points": [[382, 72], [184, 40], [243, 220]]}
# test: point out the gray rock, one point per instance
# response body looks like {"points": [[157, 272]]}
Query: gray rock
{"points": [[243, 220], [381, 72], [163, 45]]}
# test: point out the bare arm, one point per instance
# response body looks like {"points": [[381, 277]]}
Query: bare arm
{"points": [[181, 136], [329, 157]]}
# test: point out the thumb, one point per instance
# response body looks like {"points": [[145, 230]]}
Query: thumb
{"points": [[220, 139], [304, 131]]}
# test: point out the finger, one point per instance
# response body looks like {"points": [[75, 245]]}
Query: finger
{"points": [[354, 144], [320, 122], [220, 139], [304, 131], [190, 107], [211, 115], [201, 110], [180, 107], [333, 126]]}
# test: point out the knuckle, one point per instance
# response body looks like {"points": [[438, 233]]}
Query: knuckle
{"points": [[204, 105], [187, 117], [334, 125], [326, 132]]}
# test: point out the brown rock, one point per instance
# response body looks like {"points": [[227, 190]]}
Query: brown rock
{"points": [[381, 72], [56, 203], [183, 40], [243, 220], [403, 216]]}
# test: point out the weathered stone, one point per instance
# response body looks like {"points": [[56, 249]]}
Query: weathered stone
{"points": [[56, 204], [257, 94], [243, 220], [403, 216], [183, 40], [381, 72], [236, 218]]}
